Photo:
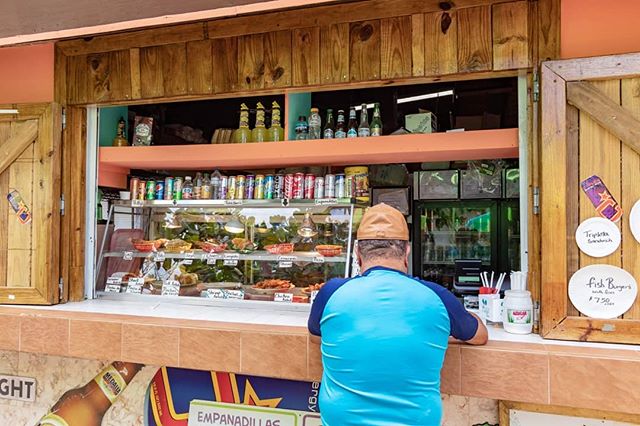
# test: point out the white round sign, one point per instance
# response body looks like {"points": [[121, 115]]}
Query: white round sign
{"points": [[598, 237], [602, 291], [634, 220]]}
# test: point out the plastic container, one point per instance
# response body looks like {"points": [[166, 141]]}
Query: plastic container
{"points": [[517, 316], [360, 181]]}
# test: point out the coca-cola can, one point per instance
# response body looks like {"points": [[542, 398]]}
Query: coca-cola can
{"points": [[330, 186], [298, 186], [340, 184], [224, 181], [319, 188], [309, 186], [278, 186], [288, 186]]}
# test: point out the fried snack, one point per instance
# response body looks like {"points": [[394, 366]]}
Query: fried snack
{"points": [[312, 288], [274, 284]]}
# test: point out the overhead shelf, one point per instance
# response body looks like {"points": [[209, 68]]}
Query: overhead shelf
{"points": [[470, 145]]}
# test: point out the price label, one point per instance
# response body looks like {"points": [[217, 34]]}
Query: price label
{"points": [[314, 293], [114, 280], [135, 285], [231, 259], [233, 202], [159, 256], [127, 255], [216, 293], [188, 258], [326, 201], [235, 294], [318, 259], [171, 288], [283, 297], [286, 261], [137, 203], [230, 262], [212, 258], [114, 285]]}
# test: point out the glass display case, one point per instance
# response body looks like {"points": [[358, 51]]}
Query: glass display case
{"points": [[264, 250]]}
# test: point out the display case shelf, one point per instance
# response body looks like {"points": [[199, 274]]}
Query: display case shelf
{"points": [[324, 202], [258, 255]]}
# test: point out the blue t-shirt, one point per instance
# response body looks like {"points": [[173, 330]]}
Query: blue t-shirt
{"points": [[384, 337]]}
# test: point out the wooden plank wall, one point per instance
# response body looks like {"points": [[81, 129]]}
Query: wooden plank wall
{"points": [[387, 41]]}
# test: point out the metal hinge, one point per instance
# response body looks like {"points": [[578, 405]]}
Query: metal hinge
{"points": [[536, 313], [64, 118], [536, 87], [62, 205], [536, 200], [60, 289]]}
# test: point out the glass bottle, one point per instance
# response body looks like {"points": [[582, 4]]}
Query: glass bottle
{"points": [[275, 132], [341, 127], [120, 139], [352, 131], [302, 129], [259, 133], [206, 191], [242, 133], [197, 186], [187, 189], [363, 128], [376, 122], [329, 131], [315, 124]]}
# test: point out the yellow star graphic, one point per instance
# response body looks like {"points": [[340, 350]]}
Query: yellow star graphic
{"points": [[251, 398]]}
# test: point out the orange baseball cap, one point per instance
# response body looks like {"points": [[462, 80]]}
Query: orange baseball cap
{"points": [[383, 222]]}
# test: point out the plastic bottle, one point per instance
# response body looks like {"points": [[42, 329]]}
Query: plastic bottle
{"points": [[302, 128], [315, 124], [517, 314], [187, 189], [216, 179], [206, 191]]}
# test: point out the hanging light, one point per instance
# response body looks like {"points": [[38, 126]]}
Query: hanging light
{"points": [[234, 226], [308, 228]]}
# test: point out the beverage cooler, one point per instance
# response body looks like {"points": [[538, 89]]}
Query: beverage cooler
{"points": [[455, 238]]}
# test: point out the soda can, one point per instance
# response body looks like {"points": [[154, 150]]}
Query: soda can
{"points": [[349, 184], [231, 188], [258, 192], [249, 187], [309, 186], [160, 190], [168, 188], [133, 187], [288, 186], [319, 188], [142, 188], [298, 186], [268, 187], [278, 187], [150, 190], [224, 181], [340, 191], [177, 188], [240, 184], [330, 186]]}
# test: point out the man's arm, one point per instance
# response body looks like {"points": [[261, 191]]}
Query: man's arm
{"points": [[482, 335]]}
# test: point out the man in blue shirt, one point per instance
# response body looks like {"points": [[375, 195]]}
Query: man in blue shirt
{"points": [[384, 334]]}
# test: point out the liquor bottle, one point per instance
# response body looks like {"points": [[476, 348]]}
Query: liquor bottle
{"points": [[329, 131], [86, 406], [341, 127], [243, 134], [315, 124], [275, 132], [302, 128], [363, 128], [352, 131], [376, 123], [259, 133], [120, 139]]}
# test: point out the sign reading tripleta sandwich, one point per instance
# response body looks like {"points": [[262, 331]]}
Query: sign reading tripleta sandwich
{"points": [[208, 413]]}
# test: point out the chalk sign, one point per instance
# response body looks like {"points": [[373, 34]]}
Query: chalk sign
{"points": [[634, 220], [598, 237], [602, 291], [209, 413]]}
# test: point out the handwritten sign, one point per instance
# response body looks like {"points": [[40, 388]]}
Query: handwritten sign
{"points": [[209, 413], [326, 201], [127, 255], [283, 297], [188, 258], [212, 258], [135, 285], [318, 259], [602, 291], [159, 256], [598, 237], [217, 293], [231, 259], [233, 202], [171, 288], [137, 203], [286, 261], [113, 285]]}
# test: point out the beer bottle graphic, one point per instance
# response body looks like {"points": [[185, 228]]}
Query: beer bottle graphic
{"points": [[86, 406]]}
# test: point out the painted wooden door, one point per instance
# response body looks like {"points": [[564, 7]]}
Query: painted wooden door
{"points": [[590, 126], [30, 204]]}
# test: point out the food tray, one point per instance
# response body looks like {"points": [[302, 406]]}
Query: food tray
{"points": [[212, 247], [282, 248], [329, 250], [270, 291]]}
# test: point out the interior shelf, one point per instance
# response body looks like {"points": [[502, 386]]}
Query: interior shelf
{"points": [[412, 148], [259, 255]]}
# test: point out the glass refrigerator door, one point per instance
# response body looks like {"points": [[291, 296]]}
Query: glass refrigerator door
{"points": [[455, 230]]}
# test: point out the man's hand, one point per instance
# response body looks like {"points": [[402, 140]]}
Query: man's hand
{"points": [[481, 336]]}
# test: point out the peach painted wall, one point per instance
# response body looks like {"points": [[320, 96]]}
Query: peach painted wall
{"points": [[599, 27], [26, 74]]}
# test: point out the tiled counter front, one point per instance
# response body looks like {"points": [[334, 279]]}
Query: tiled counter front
{"points": [[574, 376]]}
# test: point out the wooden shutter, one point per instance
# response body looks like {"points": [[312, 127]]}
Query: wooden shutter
{"points": [[30, 167], [590, 126]]}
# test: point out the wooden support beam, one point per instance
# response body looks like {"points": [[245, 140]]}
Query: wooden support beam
{"points": [[15, 146], [620, 122]]}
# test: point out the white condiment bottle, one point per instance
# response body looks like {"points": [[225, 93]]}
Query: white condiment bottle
{"points": [[517, 315]]}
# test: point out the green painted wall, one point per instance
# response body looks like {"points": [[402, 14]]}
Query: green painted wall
{"points": [[299, 104], [108, 119]]}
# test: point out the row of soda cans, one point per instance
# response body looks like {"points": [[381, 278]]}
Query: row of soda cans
{"points": [[245, 187]]}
